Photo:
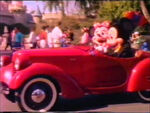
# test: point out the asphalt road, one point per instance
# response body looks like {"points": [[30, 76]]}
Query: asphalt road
{"points": [[104, 103]]}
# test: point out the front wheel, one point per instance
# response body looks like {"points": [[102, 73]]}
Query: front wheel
{"points": [[38, 95], [144, 95]]}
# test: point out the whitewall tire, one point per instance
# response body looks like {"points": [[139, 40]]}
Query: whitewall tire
{"points": [[38, 95], [144, 95]]}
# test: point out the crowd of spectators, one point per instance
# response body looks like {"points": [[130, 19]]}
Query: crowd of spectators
{"points": [[13, 39], [104, 38], [51, 37]]}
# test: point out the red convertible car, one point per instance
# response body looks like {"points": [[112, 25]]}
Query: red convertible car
{"points": [[35, 78]]}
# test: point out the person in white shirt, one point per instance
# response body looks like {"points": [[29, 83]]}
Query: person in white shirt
{"points": [[32, 38], [57, 35], [50, 38]]}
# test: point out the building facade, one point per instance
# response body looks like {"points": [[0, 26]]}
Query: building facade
{"points": [[14, 12]]}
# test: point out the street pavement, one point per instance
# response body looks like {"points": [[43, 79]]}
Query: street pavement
{"points": [[106, 103]]}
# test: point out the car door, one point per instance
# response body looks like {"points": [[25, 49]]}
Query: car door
{"points": [[103, 71]]}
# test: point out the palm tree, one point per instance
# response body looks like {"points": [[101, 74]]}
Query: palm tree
{"points": [[145, 10], [55, 4], [52, 4], [87, 5]]}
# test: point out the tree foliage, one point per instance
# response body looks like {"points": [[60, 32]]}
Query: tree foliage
{"points": [[113, 10], [53, 4], [56, 4], [89, 6]]}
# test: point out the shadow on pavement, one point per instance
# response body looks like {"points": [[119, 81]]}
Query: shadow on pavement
{"points": [[94, 102]]}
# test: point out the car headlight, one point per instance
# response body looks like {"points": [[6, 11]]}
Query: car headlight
{"points": [[21, 63], [17, 64], [4, 60]]}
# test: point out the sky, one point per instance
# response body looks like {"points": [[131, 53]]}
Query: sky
{"points": [[32, 5]]}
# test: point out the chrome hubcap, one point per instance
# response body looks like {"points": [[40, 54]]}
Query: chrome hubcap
{"points": [[38, 95]]}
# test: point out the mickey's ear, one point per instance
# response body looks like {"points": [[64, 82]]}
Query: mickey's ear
{"points": [[113, 32]]}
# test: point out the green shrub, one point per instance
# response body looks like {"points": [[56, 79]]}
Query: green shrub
{"points": [[144, 30], [113, 10]]}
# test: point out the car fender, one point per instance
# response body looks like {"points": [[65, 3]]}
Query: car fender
{"points": [[140, 77], [69, 87]]}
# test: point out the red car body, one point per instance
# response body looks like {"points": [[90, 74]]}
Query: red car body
{"points": [[78, 71]]}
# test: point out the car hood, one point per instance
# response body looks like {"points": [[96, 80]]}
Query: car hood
{"points": [[68, 51]]}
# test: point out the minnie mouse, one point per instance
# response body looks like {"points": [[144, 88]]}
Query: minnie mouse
{"points": [[106, 39]]}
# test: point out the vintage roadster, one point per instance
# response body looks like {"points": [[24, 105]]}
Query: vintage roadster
{"points": [[35, 78]]}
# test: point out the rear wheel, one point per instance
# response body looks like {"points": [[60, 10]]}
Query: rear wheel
{"points": [[38, 95], [144, 95]]}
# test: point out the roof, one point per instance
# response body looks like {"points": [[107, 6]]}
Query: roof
{"points": [[29, 18]]}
